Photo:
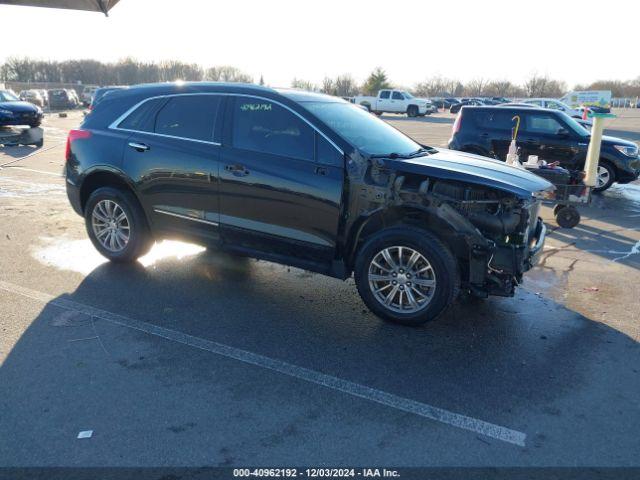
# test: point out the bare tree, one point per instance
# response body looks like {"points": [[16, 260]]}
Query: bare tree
{"points": [[303, 84], [476, 87], [226, 73]]}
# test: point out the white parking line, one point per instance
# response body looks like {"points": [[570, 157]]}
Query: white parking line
{"points": [[13, 167], [394, 401]]}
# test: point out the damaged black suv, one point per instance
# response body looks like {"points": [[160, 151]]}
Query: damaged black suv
{"points": [[306, 180]]}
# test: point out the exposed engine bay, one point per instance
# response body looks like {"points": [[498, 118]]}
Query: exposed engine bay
{"points": [[495, 234]]}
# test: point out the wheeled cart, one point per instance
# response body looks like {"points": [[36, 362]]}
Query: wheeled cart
{"points": [[570, 192]]}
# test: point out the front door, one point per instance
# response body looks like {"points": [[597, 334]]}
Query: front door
{"points": [[398, 102], [281, 183], [384, 101], [174, 158], [545, 135]]}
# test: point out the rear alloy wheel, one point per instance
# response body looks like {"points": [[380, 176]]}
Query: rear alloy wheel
{"points": [[406, 275], [605, 177], [117, 225], [111, 226]]}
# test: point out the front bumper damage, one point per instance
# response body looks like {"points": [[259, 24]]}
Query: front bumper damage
{"points": [[507, 264]]}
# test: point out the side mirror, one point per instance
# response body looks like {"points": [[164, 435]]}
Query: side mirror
{"points": [[563, 132]]}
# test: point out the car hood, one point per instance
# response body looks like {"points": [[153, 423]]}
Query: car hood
{"points": [[466, 167], [18, 106], [617, 141]]}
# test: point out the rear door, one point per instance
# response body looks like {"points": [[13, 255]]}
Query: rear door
{"points": [[173, 153], [494, 130], [281, 183]]}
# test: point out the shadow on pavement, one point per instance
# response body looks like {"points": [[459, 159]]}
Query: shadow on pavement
{"points": [[528, 363]]}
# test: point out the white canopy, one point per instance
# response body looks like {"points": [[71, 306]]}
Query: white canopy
{"points": [[90, 5]]}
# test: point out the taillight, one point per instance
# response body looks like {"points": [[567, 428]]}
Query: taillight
{"points": [[457, 123], [72, 137]]}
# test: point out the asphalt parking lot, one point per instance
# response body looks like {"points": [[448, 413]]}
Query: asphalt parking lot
{"points": [[193, 357]]}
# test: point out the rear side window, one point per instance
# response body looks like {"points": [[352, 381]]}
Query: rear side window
{"points": [[263, 126], [189, 116], [495, 120], [141, 119], [385, 94]]}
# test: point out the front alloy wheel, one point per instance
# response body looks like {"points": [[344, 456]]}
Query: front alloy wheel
{"points": [[405, 274], [402, 279], [605, 177]]}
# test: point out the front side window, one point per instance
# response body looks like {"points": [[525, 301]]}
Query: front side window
{"points": [[327, 153], [361, 129], [385, 94], [543, 124], [188, 116], [397, 96], [264, 126]]}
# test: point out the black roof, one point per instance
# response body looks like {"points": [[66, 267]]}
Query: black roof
{"points": [[157, 89]]}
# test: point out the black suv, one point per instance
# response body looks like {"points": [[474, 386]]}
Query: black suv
{"points": [[550, 134], [306, 180]]}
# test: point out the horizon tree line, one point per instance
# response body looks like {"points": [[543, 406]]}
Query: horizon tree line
{"points": [[129, 71]]}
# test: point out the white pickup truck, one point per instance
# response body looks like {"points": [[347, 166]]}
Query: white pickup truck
{"points": [[395, 101]]}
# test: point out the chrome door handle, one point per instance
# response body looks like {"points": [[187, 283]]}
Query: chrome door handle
{"points": [[140, 147]]}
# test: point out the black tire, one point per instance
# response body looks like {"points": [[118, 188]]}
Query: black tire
{"points": [[36, 124], [438, 255], [612, 176], [140, 240], [556, 209], [567, 216], [377, 113], [412, 111]]}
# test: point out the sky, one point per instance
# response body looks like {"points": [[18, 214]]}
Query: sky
{"points": [[577, 41]]}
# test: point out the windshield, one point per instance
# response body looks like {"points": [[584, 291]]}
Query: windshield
{"points": [[8, 97], [361, 129], [575, 126]]}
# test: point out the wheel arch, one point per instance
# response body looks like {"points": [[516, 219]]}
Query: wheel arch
{"points": [[414, 215], [104, 177]]}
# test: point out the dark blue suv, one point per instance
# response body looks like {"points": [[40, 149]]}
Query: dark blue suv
{"points": [[550, 134]]}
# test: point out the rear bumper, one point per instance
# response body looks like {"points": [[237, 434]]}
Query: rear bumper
{"points": [[73, 193]]}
